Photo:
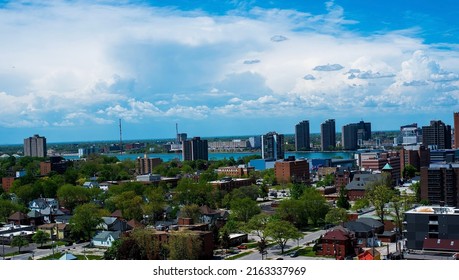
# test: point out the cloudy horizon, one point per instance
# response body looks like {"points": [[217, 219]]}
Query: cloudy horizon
{"points": [[71, 69]]}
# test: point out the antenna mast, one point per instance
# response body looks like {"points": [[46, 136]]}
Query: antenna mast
{"points": [[121, 139]]}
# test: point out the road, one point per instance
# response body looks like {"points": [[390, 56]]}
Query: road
{"points": [[275, 251], [32, 250]]}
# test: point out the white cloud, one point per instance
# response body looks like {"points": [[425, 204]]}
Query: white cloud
{"points": [[328, 67], [68, 63]]}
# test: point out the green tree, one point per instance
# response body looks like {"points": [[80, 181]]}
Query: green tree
{"points": [[156, 202], [409, 172], [282, 231], [257, 226], [192, 211], [336, 216], [40, 237], [378, 195], [294, 211], [71, 196], [315, 204], [19, 241], [130, 205], [242, 209], [7, 207], [85, 220], [296, 190], [360, 204], [184, 245], [343, 201]]}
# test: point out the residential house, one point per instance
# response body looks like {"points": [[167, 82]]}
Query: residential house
{"points": [[369, 255], [56, 231], [363, 233], [105, 238], [114, 224], [18, 218], [338, 242]]}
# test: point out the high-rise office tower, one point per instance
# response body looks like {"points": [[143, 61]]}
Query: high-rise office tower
{"points": [[35, 146], [272, 146], [354, 134], [302, 140], [437, 134], [328, 135], [349, 137], [195, 149], [456, 130]]}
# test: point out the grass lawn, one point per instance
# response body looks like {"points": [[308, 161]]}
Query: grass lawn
{"points": [[307, 252], [239, 255], [79, 257]]}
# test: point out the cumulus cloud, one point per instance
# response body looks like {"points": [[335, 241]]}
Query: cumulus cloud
{"points": [[73, 63], [252, 61], [278, 38], [328, 67], [309, 77]]}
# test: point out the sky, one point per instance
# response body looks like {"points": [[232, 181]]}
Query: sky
{"points": [[70, 70]]}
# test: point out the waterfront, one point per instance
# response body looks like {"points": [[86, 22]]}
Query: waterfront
{"points": [[218, 156]]}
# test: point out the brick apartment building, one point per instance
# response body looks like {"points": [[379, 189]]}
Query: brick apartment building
{"points": [[291, 170], [440, 183], [235, 171]]}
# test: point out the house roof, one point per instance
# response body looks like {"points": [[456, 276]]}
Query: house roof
{"points": [[109, 220], [368, 255], [53, 225], [370, 222], [358, 227], [338, 233], [135, 224], [117, 214], [67, 257], [34, 214], [103, 235], [18, 216], [387, 167], [441, 244], [360, 181]]}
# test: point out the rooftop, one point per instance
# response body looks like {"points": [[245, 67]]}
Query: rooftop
{"points": [[434, 210]]}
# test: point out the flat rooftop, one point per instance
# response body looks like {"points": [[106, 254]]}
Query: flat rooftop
{"points": [[434, 210]]}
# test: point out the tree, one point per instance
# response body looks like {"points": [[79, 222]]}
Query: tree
{"points": [[409, 171], [296, 190], [315, 204], [72, 196], [242, 209], [360, 204], [7, 207], [294, 211], [85, 220], [184, 245], [257, 225], [336, 216], [130, 205], [19, 241], [40, 237], [378, 195], [154, 207], [343, 201], [282, 231], [192, 211]]}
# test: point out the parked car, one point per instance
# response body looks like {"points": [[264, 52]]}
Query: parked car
{"points": [[294, 254], [242, 247]]}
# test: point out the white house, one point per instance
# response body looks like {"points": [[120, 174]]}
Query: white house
{"points": [[105, 238]]}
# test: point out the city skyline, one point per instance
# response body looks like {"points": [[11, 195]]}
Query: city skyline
{"points": [[72, 69]]}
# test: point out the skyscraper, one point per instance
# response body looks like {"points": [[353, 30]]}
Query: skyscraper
{"points": [[456, 130], [328, 135], [35, 146], [437, 134], [354, 134], [302, 140], [272, 146], [195, 149], [349, 137]]}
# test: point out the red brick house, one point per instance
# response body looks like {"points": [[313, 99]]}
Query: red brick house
{"points": [[338, 242]]}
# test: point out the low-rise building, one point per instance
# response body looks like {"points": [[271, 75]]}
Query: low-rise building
{"points": [[434, 228]]}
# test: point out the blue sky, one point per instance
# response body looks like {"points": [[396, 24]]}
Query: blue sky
{"points": [[70, 69]]}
